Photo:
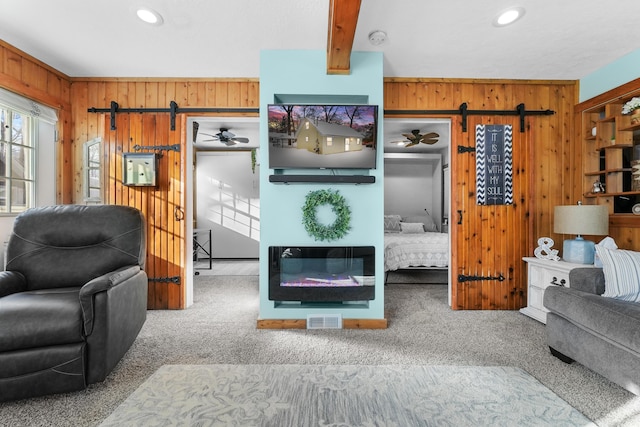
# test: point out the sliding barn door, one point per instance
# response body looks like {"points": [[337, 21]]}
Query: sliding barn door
{"points": [[489, 240], [163, 206]]}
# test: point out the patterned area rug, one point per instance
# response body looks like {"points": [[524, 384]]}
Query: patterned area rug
{"points": [[343, 395]]}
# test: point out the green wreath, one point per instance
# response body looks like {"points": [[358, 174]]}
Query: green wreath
{"points": [[339, 207]]}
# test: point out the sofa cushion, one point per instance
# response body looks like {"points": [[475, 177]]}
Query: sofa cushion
{"points": [[614, 320], [621, 273], [40, 318]]}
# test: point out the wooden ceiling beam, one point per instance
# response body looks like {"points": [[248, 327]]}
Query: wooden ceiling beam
{"points": [[343, 19]]}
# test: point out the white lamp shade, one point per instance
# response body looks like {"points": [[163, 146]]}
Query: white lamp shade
{"points": [[581, 219]]}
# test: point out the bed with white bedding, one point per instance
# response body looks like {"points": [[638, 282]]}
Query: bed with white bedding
{"points": [[414, 242], [413, 250]]}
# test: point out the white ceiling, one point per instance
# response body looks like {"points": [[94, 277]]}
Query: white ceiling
{"points": [[556, 39]]}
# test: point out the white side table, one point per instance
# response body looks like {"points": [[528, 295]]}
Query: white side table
{"points": [[542, 273]]}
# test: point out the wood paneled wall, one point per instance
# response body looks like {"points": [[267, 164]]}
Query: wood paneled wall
{"points": [[553, 164], [149, 93], [485, 242], [163, 205], [29, 77], [550, 135]]}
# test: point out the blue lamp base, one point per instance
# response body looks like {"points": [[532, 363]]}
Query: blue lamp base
{"points": [[578, 251]]}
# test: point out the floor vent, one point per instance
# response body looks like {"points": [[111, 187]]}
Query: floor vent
{"points": [[324, 321]]}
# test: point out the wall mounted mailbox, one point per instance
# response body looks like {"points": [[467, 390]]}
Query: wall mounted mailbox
{"points": [[139, 169]]}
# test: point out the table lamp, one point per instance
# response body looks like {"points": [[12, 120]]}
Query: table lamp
{"points": [[580, 219]]}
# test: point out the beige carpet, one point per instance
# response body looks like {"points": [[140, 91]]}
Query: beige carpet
{"points": [[343, 395], [223, 267], [220, 328]]}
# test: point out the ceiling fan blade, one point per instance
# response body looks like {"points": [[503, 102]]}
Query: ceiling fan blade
{"points": [[429, 140], [399, 142], [240, 139], [411, 144], [226, 134], [409, 136], [431, 135], [215, 137]]}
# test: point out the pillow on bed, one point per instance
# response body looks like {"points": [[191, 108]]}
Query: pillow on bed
{"points": [[412, 227], [392, 224], [429, 223]]}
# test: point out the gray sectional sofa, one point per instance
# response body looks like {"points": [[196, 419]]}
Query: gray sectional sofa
{"points": [[600, 333]]}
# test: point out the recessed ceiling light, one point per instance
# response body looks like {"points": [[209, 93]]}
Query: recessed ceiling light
{"points": [[508, 16], [149, 16]]}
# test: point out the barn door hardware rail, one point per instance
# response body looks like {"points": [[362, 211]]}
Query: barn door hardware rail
{"points": [[173, 109], [463, 278], [173, 147], [173, 279], [465, 112]]}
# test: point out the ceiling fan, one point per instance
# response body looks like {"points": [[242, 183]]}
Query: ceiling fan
{"points": [[224, 136], [416, 138]]}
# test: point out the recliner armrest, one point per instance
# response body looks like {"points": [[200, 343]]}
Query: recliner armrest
{"points": [[100, 284], [12, 282]]}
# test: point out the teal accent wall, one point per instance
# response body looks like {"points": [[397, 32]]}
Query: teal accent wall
{"points": [[299, 76], [611, 76]]}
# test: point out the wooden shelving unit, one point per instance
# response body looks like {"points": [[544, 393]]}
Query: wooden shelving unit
{"points": [[609, 141]]}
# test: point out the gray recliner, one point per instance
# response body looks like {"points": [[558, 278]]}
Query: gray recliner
{"points": [[73, 297]]}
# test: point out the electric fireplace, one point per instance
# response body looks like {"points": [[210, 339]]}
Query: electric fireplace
{"points": [[321, 273]]}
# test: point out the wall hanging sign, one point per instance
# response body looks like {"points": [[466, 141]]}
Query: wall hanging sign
{"points": [[494, 164]]}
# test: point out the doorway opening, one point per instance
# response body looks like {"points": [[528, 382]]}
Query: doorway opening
{"points": [[417, 190]]}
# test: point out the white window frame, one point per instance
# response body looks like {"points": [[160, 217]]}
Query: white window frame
{"points": [[40, 115], [27, 145], [88, 168]]}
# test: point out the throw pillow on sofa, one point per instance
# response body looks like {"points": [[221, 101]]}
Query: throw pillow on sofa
{"points": [[621, 270]]}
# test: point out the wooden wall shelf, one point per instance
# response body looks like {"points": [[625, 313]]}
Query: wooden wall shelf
{"points": [[602, 195], [608, 154]]}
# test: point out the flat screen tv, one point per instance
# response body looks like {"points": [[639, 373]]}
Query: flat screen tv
{"points": [[321, 273], [322, 136]]}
